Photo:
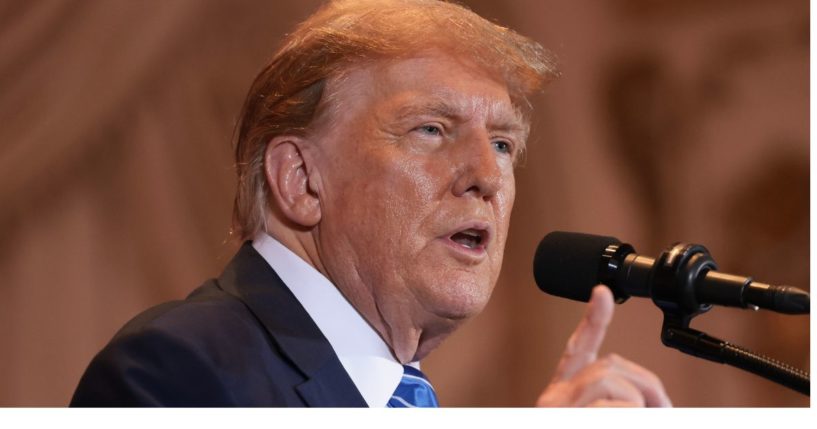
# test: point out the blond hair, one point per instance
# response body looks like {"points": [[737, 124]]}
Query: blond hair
{"points": [[288, 95]]}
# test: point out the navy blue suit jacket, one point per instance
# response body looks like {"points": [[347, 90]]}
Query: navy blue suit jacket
{"points": [[240, 340]]}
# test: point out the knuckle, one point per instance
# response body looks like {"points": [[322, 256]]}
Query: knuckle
{"points": [[570, 347], [601, 380], [614, 358], [607, 362], [605, 383]]}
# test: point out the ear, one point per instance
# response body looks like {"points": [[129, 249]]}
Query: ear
{"points": [[288, 178]]}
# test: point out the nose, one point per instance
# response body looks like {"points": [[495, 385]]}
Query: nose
{"points": [[479, 172]]}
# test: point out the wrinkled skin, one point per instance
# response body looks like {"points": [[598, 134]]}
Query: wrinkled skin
{"points": [[410, 153], [415, 151]]}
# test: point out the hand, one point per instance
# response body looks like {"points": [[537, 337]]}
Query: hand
{"points": [[583, 380]]}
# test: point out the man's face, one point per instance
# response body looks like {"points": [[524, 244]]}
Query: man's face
{"points": [[417, 184]]}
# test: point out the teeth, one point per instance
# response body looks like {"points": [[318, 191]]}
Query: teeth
{"points": [[468, 238], [474, 234]]}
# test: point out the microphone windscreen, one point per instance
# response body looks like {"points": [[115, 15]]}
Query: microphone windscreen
{"points": [[567, 263]]}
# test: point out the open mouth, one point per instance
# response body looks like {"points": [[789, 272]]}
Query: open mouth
{"points": [[470, 238]]}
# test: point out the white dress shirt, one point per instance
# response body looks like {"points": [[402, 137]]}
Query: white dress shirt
{"points": [[364, 355]]}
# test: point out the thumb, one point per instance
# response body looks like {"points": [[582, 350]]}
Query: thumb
{"points": [[583, 345]]}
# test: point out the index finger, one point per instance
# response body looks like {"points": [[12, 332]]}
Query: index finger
{"points": [[583, 345]]}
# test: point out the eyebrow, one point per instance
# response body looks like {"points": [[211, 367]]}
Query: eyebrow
{"points": [[435, 107], [503, 121]]}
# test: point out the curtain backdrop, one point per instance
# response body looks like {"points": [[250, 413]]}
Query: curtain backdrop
{"points": [[673, 121]]}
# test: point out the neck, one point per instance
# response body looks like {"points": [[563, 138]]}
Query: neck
{"points": [[411, 337]]}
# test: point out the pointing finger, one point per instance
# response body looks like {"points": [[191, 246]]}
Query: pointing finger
{"points": [[583, 345]]}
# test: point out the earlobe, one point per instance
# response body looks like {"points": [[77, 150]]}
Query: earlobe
{"points": [[288, 176]]}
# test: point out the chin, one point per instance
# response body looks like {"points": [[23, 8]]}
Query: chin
{"points": [[449, 308], [460, 300]]}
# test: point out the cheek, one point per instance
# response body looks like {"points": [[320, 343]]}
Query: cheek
{"points": [[383, 204], [502, 208], [411, 182], [415, 181]]}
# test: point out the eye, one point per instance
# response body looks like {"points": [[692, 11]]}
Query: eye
{"points": [[502, 146], [430, 129]]}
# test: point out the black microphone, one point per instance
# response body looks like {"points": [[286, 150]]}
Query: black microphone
{"points": [[569, 265]]}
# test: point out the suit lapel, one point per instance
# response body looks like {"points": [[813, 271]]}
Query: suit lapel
{"points": [[253, 281]]}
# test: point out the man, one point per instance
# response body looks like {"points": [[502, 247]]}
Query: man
{"points": [[375, 157]]}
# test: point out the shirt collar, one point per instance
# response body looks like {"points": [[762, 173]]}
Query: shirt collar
{"points": [[362, 352]]}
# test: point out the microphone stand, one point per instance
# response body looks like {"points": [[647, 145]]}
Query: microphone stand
{"points": [[673, 277]]}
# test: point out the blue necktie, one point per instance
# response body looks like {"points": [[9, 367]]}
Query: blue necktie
{"points": [[413, 391]]}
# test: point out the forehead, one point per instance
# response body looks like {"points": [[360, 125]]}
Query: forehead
{"points": [[433, 82]]}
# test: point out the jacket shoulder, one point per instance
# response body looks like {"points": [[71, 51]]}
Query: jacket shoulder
{"points": [[200, 317], [206, 350]]}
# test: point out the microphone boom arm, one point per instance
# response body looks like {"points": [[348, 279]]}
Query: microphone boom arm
{"points": [[699, 344], [676, 270]]}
